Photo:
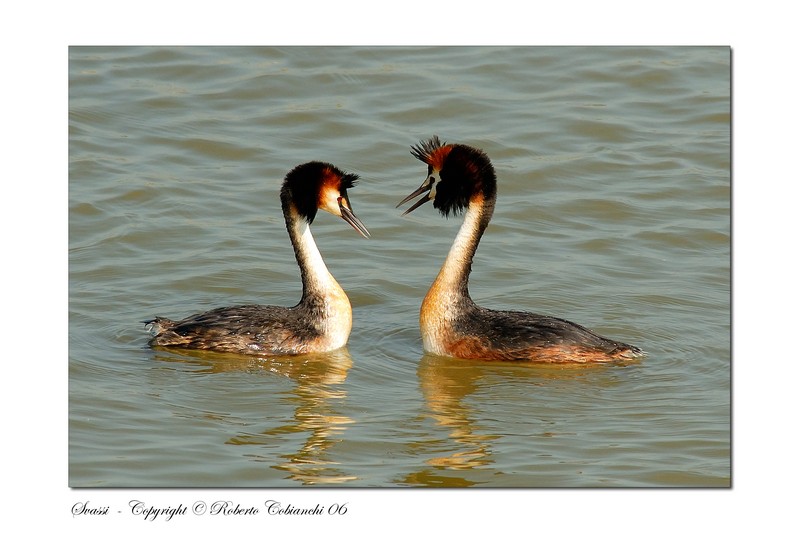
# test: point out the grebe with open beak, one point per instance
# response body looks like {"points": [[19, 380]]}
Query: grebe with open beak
{"points": [[461, 178]]}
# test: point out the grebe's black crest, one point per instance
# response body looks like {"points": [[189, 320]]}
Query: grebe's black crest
{"points": [[320, 322], [305, 183], [425, 149], [459, 178], [467, 172], [456, 174]]}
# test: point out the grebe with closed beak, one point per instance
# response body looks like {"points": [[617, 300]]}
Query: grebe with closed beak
{"points": [[461, 178], [320, 322]]}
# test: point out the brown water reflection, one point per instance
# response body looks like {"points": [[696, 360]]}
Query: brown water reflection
{"points": [[444, 387], [318, 389], [459, 396]]}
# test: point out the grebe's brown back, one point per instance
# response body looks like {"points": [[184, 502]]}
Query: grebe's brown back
{"points": [[320, 322], [461, 178]]}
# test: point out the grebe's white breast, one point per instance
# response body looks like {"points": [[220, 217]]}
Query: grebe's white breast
{"points": [[336, 316]]}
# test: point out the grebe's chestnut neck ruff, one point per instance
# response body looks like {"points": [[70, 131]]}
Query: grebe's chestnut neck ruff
{"points": [[320, 322], [461, 179]]}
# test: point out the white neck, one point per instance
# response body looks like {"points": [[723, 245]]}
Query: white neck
{"points": [[316, 276], [321, 293], [453, 278], [449, 294]]}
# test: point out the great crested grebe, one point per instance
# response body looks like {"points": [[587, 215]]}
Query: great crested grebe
{"points": [[320, 322], [462, 178]]}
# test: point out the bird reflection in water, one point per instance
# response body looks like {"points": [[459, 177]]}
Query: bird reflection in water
{"points": [[445, 383], [458, 397], [318, 391]]}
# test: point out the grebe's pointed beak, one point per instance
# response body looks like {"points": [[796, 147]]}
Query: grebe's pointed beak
{"points": [[426, 187], [349, 216]]}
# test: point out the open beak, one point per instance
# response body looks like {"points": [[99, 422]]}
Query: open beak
{"points": [[349, 216], [426, 187]]}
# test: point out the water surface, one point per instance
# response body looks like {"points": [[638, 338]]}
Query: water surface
{"points": [[613, 212]]}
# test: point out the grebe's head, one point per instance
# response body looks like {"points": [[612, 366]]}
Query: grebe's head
{"points": [[456, 175], [316, 185]]}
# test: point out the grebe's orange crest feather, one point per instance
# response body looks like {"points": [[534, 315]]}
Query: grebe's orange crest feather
{"points": [[432, 152], [333, 178], [310, 185]]}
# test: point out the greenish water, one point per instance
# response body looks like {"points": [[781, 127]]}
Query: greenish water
{"points": [[613, 212]]}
